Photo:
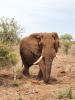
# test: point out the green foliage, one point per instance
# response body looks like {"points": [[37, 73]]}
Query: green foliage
{"points": [[12, 58], [4, 52], [67, 37], [65, 94], [8, 57], [67, 46], [16, 83], [66, 42], [9, 30]]}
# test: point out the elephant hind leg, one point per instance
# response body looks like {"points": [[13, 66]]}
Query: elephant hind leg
{"points": [[26, 67], [26, 70]]}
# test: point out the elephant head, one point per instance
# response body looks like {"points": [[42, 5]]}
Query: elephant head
{"points": [[49, 44]]}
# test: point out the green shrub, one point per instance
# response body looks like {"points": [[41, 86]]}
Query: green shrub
{"points": [[4, 52], [12, 57], [66, 42], [16, 83], [67, 46], [67, 93], [7, 57]]}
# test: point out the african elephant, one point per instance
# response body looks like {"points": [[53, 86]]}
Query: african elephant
{"points": [[39, 48]]}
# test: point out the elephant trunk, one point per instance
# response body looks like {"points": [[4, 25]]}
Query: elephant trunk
{"points": [[47, 70]]}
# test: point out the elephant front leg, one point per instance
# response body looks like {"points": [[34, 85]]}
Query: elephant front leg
{"points": [[42, 69], [40, 75], [45, 66]]}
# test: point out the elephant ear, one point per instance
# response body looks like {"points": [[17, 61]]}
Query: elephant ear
{"points": [[36, 35], [56, 41]]}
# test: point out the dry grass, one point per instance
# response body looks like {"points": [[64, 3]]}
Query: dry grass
{"points": [[62, 84]]}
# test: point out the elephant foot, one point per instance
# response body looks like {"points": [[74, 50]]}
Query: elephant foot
{"points": [[50, 80], [39, 78], [26, 73], [46, 80]]}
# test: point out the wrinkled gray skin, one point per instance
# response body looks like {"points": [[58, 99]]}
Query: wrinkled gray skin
{"points": [[35, 45]]}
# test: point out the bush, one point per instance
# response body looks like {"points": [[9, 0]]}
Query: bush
{"points": [[7, 57], [4, 52], [66, 42], [67, 46], [12, 57], [65, 94]]}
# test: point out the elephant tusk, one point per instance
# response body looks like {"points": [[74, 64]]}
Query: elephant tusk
{"points": [[38, 60]]}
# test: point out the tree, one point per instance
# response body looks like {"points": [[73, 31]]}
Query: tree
{"points": [[9, 30], [66, 39]]}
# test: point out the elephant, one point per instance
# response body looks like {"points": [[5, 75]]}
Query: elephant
{"points": [[39, 48]]}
